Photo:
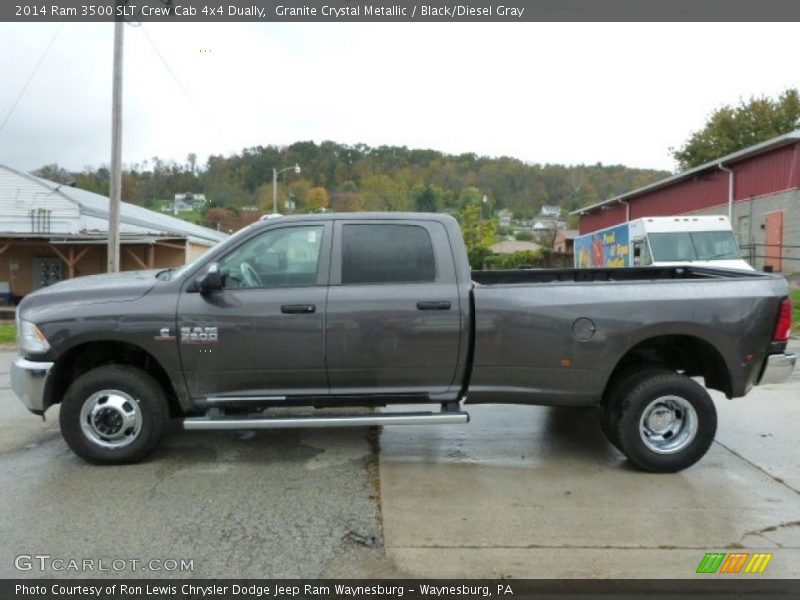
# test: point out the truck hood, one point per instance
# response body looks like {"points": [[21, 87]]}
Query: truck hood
{"points": [[93, 289]]}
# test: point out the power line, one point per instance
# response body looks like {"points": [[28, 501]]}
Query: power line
{"points": [[30, 78], [167, 67]]}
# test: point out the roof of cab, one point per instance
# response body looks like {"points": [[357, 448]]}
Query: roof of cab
{"points": [[361, 216]]}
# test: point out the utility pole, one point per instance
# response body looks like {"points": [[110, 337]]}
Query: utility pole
{"points": [[274, 191], [116, 150]]}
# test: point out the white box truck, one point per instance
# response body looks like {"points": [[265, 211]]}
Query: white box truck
{"points": [[662, 241]]}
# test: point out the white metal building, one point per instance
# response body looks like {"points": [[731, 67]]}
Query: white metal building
{"points": [[51, 231]]}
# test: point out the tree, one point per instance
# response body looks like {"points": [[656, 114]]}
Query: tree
{"points": [[347, 198], [732, 128], [317, 198], [264, 198], [381, 192], [221, 219], [478, 234], [130, 188], [468, 196], [360, 177], [54, 173], [427, 198], [298, 190]]}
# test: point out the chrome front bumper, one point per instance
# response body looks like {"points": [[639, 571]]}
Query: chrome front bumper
{"points": [[28, 378], [779, 368]]}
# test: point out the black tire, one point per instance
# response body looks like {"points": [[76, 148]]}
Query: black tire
{"points": [[150, 414], [621, 385], [607, 423], [686, 395]]}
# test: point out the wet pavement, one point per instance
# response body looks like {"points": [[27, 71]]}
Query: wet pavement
{"points": [[239, 504], [539, 492]]}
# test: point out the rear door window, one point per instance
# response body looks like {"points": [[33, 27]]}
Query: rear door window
{"points": [[378, 253]]}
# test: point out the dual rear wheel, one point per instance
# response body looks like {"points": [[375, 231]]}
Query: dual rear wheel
{"points": [[661, 420]]}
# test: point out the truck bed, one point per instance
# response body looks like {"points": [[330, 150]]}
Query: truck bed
{"points": [[554, 337], [521, 276]]}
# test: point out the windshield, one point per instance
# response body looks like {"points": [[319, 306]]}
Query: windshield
{"points": [[693, 245]]}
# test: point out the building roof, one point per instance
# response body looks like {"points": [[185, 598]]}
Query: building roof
{"points": [[29, 187], [771, 144], [568, 234], [510, 246]]}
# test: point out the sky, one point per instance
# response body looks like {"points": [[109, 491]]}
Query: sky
{"points": [[541, 92]]}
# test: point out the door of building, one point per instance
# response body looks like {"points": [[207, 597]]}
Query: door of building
{"points": [[773, 239], [47, 271]]}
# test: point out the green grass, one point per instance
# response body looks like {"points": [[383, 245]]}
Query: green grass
{"points": [[192, 216], [796, 315], [8, 333]]}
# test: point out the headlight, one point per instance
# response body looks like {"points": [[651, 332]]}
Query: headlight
{"points": [[31, 339]]}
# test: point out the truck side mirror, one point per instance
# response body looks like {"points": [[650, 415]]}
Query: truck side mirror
{"points": [[211, 281]]}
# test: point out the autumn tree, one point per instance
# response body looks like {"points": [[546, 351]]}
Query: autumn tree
{"points": [[381, 192], [360, 177], [222, 219], [298, 191], [732, 128], [130, 189], [317, 198], [264, 198], [478, 233], [347, 198]]}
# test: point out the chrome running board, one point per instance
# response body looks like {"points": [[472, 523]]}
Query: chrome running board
{"points": [[300, 422]]}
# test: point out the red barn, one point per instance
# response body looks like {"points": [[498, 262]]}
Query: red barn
{"points": [[758, 188]]}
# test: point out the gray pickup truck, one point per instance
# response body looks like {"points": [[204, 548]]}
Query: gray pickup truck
{"points": [[371, 310]]}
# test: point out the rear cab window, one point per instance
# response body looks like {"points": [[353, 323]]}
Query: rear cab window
{"points": [[391, 252], [375, 253]]}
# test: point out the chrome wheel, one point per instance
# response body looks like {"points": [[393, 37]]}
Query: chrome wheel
{"points": [[668, 424], [111, 419]]}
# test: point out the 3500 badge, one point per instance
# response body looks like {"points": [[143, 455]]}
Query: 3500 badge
{"points": [[199, 335]]}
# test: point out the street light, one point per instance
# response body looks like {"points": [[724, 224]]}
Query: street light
{"points": [[275, 174]]}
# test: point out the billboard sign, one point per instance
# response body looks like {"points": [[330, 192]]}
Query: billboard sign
{"points": [[604, 249]]}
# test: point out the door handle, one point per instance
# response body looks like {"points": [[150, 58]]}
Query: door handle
{"points": [[434, 305], [298, 309]]}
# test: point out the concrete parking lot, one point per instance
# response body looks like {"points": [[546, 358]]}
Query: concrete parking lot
{"points": [[519, 492]]}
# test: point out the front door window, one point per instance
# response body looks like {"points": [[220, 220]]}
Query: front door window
{"points": [[286, 257]]}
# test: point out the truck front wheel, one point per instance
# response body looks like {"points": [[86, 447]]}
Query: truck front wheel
{"points": [[665, 422], [113, 414]]}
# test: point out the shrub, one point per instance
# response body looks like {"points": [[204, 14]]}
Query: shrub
{"points": [[539, 259], [477, 256]]}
